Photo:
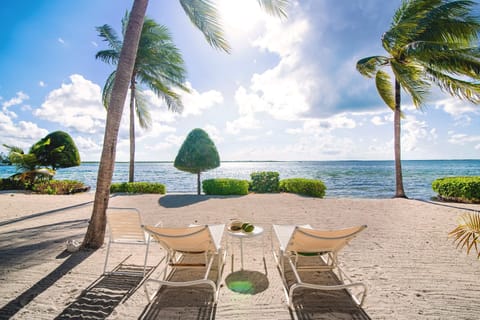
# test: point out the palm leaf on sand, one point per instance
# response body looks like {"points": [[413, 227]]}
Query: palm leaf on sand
{"points": [[467, 233]]}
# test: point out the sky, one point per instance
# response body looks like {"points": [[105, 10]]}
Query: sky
{"points": [[289, 90]]}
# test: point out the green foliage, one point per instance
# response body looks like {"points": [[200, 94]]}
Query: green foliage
{"points": [[11, 184], [225, 186], [197, 153], [265, 181], [59, 187], [308, 187], [461, 189], [56, 150], [138, 187]]}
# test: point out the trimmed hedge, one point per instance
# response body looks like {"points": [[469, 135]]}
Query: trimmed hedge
{"points": [[138, 187], [459, 189], [59, 187], [225, 186], [308, 187], [265, 182]]}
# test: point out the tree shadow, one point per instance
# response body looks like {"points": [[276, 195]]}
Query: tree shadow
{"points": [[18, 246], [15, 305], [100, 298], [40, 214], [184, 200], [452, 205]]}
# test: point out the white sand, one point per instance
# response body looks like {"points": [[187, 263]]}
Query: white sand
{"points": [[410, 266]]}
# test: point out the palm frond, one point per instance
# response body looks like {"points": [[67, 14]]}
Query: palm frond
{"points": [[276, 8], [13, 149], [450, 22], [109, 56], [384, 86], [203, 14], [141, 108], [462, 89], [467, 233], [411, 77], [369, 66], [107, 89], [108, 34]]}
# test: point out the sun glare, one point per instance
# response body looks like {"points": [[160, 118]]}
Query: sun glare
{"points": [[239, 17]]}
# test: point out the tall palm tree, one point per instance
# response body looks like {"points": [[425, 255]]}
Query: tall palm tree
{"points": [[203, 15], [158, 65], [429, 42]]}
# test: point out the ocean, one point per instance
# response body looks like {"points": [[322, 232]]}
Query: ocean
{"points": [[344, 179]]}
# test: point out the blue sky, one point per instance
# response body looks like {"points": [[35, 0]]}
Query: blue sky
{"points": [[288, 91]]}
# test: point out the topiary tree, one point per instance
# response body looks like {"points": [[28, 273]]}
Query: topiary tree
{"points": [[197, 154], [56, 150]]}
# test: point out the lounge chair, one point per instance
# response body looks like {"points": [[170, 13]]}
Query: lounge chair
{"points": [[319, 249], [182, 242], [125, 227]]}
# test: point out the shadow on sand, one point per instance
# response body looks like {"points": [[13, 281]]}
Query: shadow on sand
{"points": [[184, 200], [320, 304], [15, 305], [103, 295]]}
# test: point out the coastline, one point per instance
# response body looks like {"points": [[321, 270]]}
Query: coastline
{"points": [[411, 268]]}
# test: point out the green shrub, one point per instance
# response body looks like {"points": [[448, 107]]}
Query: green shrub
{"points": [[225, 186], [461, 189], [308, 187], [138, 187], [265, 181], [11, 184], [59, 187]]}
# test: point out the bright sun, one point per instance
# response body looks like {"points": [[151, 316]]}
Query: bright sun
{"points": [[239, 17]]}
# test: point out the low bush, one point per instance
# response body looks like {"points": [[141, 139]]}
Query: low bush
{"points": [[264, 182], [459, 189], [59, 187], [138, 187], [308, 187], [225, 186], [11, 184]]}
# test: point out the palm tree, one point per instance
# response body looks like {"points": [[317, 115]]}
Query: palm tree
{"points": [[429, 42], [203, 15], [158, 65]]}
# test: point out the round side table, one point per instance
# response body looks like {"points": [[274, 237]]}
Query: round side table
{"points": [[257, 231]]}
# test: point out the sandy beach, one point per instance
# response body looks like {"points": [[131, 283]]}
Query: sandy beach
{"points": [[410, 266]]}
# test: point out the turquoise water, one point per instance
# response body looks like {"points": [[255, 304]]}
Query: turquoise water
{"points": [[350, 179]]}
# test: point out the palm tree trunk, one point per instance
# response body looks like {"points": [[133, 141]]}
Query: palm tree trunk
{"points": [[131, 169], [399, 192], [96, 229], [198, 183]]}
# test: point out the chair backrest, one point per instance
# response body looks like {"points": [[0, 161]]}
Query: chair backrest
{"points": [[189, 239], [125, 225], [313, 240]]}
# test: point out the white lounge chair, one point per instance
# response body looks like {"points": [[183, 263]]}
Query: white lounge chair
{"points": [[320, 246], [193, 240], [125, 227]]}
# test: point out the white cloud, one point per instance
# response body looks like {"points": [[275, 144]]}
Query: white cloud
{"points": [[17, 100], [196, 103], [214, 133], [23, 133], [75, 105], [42, 84], [61, 40], [378, 121], [458, 109], [414, 132], [463, 139], [242, 123], [94, 44]]}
